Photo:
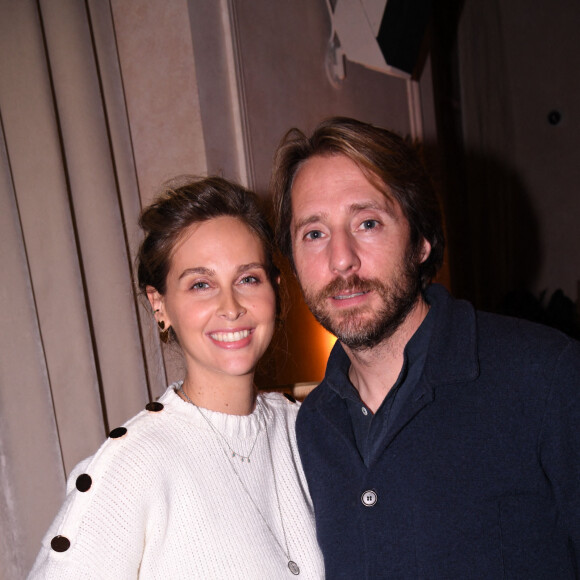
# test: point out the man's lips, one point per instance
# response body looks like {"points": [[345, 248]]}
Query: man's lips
{"points": [[349, 295], [348, 288]]}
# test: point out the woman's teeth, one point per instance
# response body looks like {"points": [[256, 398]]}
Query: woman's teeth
{"points": [[230, 336]]}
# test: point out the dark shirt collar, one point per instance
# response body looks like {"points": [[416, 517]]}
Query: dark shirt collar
{"points": [[372, 430], [338, 365]]}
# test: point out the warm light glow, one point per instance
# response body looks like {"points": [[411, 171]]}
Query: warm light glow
{"points": [[324, 341], [329, 340]]}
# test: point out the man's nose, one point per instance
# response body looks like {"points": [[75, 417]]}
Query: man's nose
{"points": [[344, 258]]}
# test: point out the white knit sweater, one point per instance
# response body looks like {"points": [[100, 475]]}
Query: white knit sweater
{"points": [[163, 501]]}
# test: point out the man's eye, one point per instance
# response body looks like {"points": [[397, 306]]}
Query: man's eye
{"points": [[249, 280], [369, 224], [313, 235]]}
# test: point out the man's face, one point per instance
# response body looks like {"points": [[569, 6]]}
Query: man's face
{"points": [[352, 252]]}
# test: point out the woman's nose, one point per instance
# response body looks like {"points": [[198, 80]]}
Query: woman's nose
{"points": [[229, 307]]}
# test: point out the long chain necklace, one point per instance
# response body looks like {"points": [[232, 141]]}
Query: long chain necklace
{"points": [[213, 428], [292, 566]]}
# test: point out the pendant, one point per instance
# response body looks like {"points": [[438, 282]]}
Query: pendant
{"points": [[293, 567]]}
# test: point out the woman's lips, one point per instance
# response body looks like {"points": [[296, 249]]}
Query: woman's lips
{"points": [[238, 338]]}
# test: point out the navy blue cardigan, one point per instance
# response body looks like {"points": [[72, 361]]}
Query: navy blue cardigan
{"points": [[480, 473]]}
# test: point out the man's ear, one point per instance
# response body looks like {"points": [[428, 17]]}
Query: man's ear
{"points": [[425, 250]]}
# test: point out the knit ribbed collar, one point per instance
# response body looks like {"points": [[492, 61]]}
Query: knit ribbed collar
{"points": [[242, 426]]}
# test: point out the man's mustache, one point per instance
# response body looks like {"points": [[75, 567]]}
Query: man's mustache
{"points": [[352, 283]]}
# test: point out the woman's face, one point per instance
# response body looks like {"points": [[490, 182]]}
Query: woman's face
{"points": [[219, 299]]}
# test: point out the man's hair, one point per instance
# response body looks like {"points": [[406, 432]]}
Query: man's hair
{"points": [[387, 161]]}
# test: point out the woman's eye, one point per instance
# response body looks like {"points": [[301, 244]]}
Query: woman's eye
{"points": [[200, 286]]}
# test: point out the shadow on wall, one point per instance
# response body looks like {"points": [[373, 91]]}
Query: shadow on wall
{"points": [[494, 244], [504, 234]]}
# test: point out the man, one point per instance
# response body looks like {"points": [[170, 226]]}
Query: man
{"points": [[443, 443]]}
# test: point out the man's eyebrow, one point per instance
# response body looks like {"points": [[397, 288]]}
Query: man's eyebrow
{"points": [[388, 206], [309, 220], [353, 209]]}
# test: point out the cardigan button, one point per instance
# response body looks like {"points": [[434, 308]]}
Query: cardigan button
{"points": [[60, 544], [118, 432], [84, 482], [369, 498]]}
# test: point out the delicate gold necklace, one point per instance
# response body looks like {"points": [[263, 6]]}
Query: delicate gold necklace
{"points": [[234, 453], [292, 566]]}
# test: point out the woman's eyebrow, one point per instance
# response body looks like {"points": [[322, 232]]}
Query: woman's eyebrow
{"points": [[251, 266], [197, 270]]}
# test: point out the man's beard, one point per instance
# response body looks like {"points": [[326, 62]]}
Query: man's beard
{"points": [[353, 327]]}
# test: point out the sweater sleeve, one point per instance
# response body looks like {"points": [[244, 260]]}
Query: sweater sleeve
{"points": [[560, 443], [100, 530]]}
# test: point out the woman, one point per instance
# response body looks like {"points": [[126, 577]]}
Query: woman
{"points": [[206, 482]]}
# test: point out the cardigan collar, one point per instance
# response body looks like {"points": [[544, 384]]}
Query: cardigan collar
{"points": [[453, 349]]}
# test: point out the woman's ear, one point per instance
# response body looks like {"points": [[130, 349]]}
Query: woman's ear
{"points": [[155, 299], [158, 304]]}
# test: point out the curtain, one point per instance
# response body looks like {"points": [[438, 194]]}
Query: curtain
{"points": [[73, 337], [500, 246]]}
